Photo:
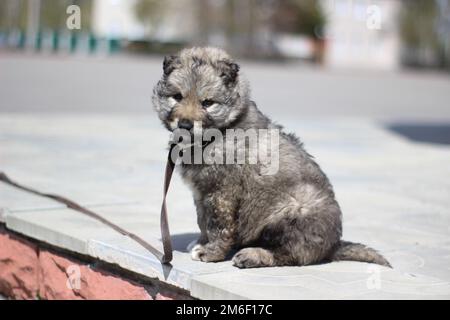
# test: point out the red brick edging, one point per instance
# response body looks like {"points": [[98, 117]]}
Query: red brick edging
{"points": [[30, 272]]}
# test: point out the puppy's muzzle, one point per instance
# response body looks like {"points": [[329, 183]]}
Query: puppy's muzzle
{"points": [[185, 124]]}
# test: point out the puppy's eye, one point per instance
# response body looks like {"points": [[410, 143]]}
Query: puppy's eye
{"points": [[178, 97], [207, 103]]}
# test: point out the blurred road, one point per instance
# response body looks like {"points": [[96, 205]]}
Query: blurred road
{"points": [[282, 90]]}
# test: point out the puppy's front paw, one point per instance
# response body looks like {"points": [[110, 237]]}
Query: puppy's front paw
{"points": [[197, 252], [206, 253]]}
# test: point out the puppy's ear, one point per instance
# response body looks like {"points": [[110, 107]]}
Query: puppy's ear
{"points": [[229, 71], [169, 64]]}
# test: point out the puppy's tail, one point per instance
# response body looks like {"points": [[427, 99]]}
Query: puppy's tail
{"points": [[358, 252]]}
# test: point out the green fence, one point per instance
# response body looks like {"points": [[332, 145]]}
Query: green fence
{"points": [[58, 41]]}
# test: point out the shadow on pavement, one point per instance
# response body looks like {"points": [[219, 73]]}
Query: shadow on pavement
{"points": [[431, 133], [182, 240]]}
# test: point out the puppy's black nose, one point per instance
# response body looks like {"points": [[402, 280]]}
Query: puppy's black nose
{"points": [[185, 124]]}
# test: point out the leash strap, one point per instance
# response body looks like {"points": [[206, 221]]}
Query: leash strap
{"points": [[165, 257]]}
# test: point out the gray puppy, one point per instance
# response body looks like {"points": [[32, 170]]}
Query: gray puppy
{"points": [[289, 218]]}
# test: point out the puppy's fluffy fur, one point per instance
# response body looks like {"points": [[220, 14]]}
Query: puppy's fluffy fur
{"points": [[290, 218]]}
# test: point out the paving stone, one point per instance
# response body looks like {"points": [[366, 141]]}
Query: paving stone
{"points": [[343, 280], [12, 200], [56, 156]]}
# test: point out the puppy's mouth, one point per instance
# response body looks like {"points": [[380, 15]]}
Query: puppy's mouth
{"points": [[190, 126], [187, 136]]}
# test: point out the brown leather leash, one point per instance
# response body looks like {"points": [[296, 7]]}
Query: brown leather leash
{"points": [[164, 257]]}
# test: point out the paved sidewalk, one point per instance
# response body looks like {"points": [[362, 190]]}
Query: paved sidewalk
{"points": [[394, 194]]}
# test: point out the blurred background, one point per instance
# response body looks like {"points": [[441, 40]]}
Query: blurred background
{"points": [[378, 34], [364, 83], [382, 59]]}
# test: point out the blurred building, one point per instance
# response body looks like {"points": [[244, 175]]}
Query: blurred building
{"points": [[116, 19], [136, 19], [362, 34]]}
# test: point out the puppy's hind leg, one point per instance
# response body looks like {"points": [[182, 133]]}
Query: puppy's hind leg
{"points": [[254, 258], [294, 240]]}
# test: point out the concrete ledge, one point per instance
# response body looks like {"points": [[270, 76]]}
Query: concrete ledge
{"points": [[29, 271]]}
